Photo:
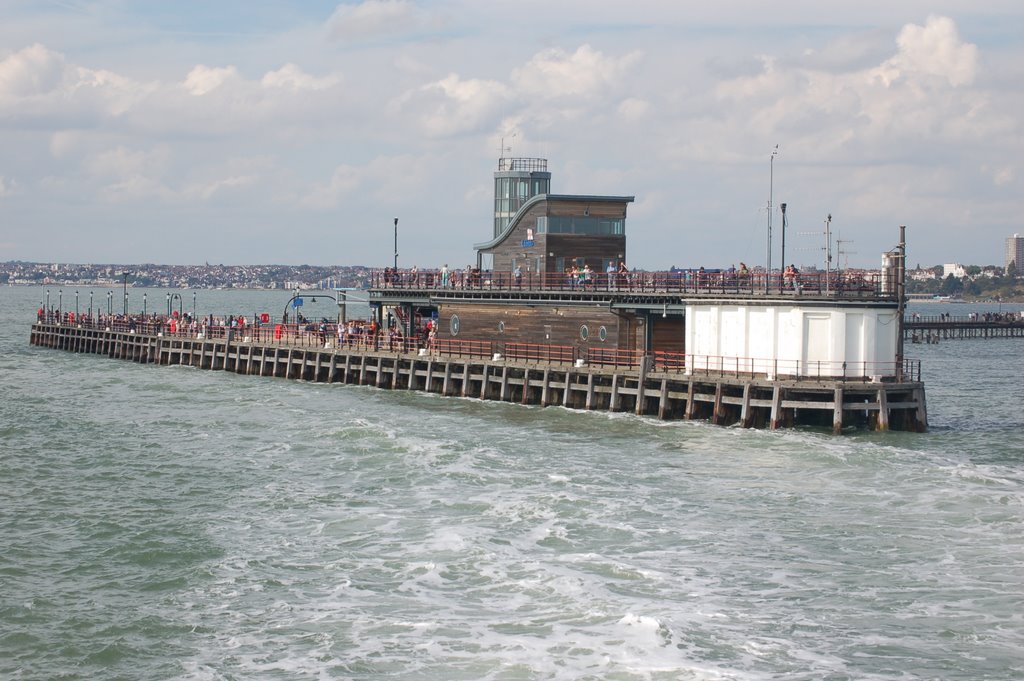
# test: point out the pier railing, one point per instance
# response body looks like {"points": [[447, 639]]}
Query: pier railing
{"points": [[692, 282]]}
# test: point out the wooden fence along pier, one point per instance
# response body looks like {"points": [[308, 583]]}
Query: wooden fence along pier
{"points": [[650, 388]]}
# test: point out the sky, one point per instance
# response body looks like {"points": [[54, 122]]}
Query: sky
{"points": [[248, 132]]}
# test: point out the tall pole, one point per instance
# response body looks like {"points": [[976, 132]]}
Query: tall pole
{"points": [[828, 249], [144, 310], [771, 197], [901, 282], [782, 207], [90, 306], [125, 275], [396, 244], [76, 303], [193, 305]]}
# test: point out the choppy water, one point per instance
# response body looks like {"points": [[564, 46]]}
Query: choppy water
{"points": [[170, 523]]}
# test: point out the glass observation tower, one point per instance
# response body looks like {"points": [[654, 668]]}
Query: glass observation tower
{"points": [[516, 181]]}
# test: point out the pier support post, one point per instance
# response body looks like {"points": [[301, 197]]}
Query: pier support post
{"points": [[483, 382], [566, 389], [716, 410], [690, 403], [922, 409], [745, 415], [663, 400], [545, 387], [776, 407], [641, 385], [613, 404], [883, 409], [837, 412]]}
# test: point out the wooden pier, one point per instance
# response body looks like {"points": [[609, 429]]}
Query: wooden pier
{"points": [[932, 329], [721, 398]]}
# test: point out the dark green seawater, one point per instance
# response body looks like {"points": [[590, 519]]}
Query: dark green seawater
{"points": [[171, 523]]}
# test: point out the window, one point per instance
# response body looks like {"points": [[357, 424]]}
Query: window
{"points": [[602, 333], [583, 224], [542, 224], [453, 325], [501, 327], [584, 332]]}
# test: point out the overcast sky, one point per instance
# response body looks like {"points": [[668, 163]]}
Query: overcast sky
{"points": [[294, 132]]}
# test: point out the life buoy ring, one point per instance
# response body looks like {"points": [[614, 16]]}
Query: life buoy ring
{"points": [[264, 318]]}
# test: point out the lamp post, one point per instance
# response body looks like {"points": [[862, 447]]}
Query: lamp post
{"points": [[396, 244], [168, 304], [48, 310], [193, 305], [144, 304], [60, 301], [782, 207], [90, 306], [771, 196], [76, 303], [125, 275], [110, 303]]}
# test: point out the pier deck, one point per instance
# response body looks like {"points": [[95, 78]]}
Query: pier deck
{"points": [[720, 397]]}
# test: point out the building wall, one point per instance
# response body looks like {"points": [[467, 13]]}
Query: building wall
{"points": [[792, 339], [537, 324]]}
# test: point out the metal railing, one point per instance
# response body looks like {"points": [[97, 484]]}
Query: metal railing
{"points": [[690, 282]]}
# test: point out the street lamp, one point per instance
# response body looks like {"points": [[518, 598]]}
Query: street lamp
{"points": [[76, 303], [110, 303], [48, 300], [771, 196], [168, 304], [396, 244], [90, 306], [143, 303], [193, 305], [125, 275], [60, 301]]}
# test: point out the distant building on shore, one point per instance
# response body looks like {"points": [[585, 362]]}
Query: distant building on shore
{"points": [[1015, 254]]}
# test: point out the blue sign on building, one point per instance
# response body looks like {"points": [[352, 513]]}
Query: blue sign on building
{"points": [[527, 243]]}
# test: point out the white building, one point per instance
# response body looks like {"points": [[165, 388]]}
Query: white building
{"points": [[1015, 253], [956, 269], [801, 339]]}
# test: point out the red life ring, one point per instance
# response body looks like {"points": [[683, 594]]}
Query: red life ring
{"points": [[264, 318]]}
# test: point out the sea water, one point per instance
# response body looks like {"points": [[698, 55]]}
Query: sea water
{"points": [[172, 523]]}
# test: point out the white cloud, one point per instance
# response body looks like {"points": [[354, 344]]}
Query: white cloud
{"points": [[936, 49], [37, 82], [374, 18], [204, 79], [292, 77], [453, 106], [554, 73]]}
